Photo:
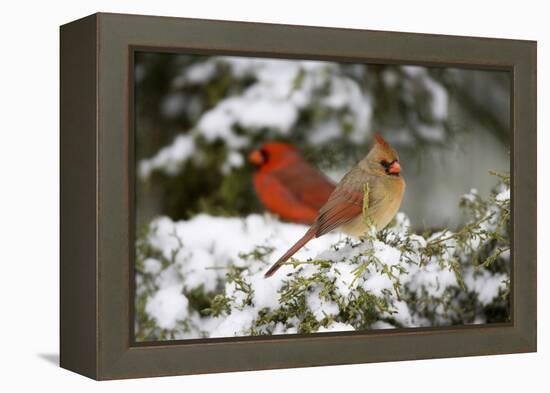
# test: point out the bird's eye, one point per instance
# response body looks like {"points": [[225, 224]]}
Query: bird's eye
{"points": [[385, 164]]}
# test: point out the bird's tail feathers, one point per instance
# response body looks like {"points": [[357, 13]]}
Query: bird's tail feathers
{"points": [[310, 234]]}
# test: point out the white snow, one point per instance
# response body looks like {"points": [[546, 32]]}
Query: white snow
{"points": [[471, 196], [320, 307], [170, 157], [167, 306], [484, 284], [433, 278], [198, 252], [202, 248], [378, 282], [414, 71], [336, 327], [234, 325], [382, 325], [439, 98], [196, 74], [234, 160], [403, 315], [387, 255], [139, 73], [152, 266], [503, 196], [281, 89], [196, 266], [343, 273]]}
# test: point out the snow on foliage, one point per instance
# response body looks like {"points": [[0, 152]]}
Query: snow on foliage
{"points": [[203, 277], [324, 101]]}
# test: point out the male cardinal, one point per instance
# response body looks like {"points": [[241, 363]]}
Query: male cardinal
{"points": [[380, 171], [287, 185]]}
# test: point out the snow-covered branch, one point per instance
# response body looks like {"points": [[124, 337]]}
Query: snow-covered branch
{"points": [[204, 277]]}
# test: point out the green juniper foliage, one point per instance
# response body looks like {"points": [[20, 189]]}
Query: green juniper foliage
{"points": [[393, 278]]}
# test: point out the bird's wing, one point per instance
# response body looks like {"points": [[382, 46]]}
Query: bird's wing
{"points": [[346, 202], [278, 198], [306, 184]]}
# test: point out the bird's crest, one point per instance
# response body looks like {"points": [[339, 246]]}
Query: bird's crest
{"points": [[380, 140]]}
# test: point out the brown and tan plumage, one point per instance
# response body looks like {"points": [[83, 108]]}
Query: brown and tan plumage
{"points": [[380, 170]]}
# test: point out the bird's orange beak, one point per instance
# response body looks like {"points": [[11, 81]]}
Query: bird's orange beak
{"points": [[256, 157], [395, 168]]}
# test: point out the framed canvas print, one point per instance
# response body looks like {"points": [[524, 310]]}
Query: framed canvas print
{"points": [[241, 196]]}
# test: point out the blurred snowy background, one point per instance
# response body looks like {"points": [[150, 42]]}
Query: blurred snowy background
{"points": [[197, 118]]}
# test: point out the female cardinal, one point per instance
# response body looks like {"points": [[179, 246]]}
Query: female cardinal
{"points": [[380, 171], [287, 185]]}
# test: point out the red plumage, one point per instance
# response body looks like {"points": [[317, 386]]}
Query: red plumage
{"points": [[287, 185]]}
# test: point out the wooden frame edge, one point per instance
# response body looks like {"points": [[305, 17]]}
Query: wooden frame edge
{"points": [[78, 197], [116, 356]]}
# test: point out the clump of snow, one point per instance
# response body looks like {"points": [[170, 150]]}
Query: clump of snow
{"points": [[342, 274], [236, 325], [234, 160], [433, 278], [253, 110], [196, 74], [319, 307], [139, 73], [503, 196], [487, 286], [169, 158], [336, 327], [439, 98], [152, 266], [471, 196], [167, 306], [382, 325], [414, 71]]}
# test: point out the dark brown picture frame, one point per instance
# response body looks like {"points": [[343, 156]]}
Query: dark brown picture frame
{"points": [[97, 196]]}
